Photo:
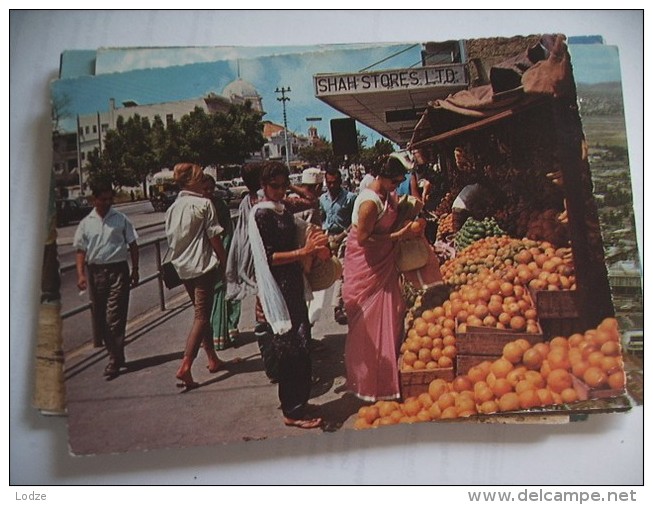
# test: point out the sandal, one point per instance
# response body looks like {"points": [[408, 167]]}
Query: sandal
{"points": [[305, 424]]}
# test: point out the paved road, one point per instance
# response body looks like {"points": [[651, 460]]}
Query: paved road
{"points": [[143, 408]]}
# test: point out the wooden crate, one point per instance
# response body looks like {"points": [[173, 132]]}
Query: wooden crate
{"points": [[482, 341], [466, 361], [555, 304], [416, 382], [563, 327]]}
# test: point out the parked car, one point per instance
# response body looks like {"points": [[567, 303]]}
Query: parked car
{"points": [[223, 192], [633, 341], [238, 188], [70, 210]]}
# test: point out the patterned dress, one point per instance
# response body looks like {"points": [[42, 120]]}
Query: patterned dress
{"points": [[289, 352]]}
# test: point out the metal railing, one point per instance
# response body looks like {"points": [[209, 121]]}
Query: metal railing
{"points": [[156, 243]]}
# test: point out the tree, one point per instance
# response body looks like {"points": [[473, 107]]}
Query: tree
{"points": [[370, 155], [128, 156], [320, 153]]}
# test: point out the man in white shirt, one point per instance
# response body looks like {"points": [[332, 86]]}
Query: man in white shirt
{"points": [[103, 241]]}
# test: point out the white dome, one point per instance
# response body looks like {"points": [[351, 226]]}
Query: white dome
{"points": [[240, 88]]}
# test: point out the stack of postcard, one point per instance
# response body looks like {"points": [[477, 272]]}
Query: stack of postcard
{"points": [[527, 307]]}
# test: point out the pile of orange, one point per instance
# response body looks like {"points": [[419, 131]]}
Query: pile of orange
{"points": [[430, 342], [525, 376]]}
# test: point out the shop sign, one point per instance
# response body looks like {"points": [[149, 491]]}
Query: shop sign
{"points": [[390, 80]]}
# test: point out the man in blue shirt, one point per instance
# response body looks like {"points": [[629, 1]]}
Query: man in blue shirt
{"points": [[336, 206]]}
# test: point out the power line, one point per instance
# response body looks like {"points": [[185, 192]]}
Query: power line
{"points": [[388, 57]]}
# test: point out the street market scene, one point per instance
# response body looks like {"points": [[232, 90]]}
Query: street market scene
{"points": [[459, 247]]}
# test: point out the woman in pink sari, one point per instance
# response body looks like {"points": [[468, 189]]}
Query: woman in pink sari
{"points": [[371, 289]]}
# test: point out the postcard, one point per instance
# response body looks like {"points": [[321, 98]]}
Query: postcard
{"points": [[517, 299]]}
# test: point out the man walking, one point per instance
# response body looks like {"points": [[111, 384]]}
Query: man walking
{"points": [[336, 206], [103, 241]]}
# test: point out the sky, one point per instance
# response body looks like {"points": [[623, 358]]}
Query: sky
{"points": [[171, 74]]}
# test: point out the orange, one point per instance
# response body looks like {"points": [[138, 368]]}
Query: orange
{"points": [[448, 340], [411, 406], [501, 367], [449, 413], [426, 343], [509, 401], [558, 359], [558, 380], [488, 407], [428, 316], [423, 416], [437, 387], [529, 399], [446, 400], [524, 385], [610, 364], [387, 407], [476, 374], [483, 394], [532, 359], [617, 380], [436, 353], [495, 308], [419, 365], [462, 383], [523, 343], [595, 358], [413, 344], [512, 352], [371, 414], [467, 413], [409, 358], [434, 331], [535, 377], [424, 354], [435, 411], [464, 403], [611, 348], [361, 424], [445, 362], [432, 365], [569, 395], [421, 327], [595, 377], [387, 421], [500, 387], [449, 351], [507, 288], [545, 396], [559, 341], [516, 374], [579, 368], [575, 339]]}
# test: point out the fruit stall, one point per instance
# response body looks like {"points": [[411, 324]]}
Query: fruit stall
{"points": [[524, 323]]}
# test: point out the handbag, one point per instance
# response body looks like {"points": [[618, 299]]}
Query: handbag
{"points": [[412, 253], [168, 272], [323, 273]]}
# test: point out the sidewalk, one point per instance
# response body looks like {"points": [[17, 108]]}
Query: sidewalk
{"points": [[144, 409]]}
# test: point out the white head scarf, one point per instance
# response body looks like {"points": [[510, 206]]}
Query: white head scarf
{"points": [[272, 301]]}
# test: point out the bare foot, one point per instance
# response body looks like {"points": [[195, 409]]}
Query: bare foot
{"points": [[215, 365], [306, 424], [186, 378]]}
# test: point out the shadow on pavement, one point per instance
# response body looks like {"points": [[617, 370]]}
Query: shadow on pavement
{"points": [[329, 365]]}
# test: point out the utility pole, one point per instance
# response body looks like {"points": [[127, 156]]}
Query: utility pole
{"points": [[283, 101]]}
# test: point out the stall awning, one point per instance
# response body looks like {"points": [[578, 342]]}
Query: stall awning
{"points": [[516, 85]]}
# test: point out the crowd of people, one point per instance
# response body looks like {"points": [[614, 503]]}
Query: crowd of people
{"points": [[282, 232]]}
